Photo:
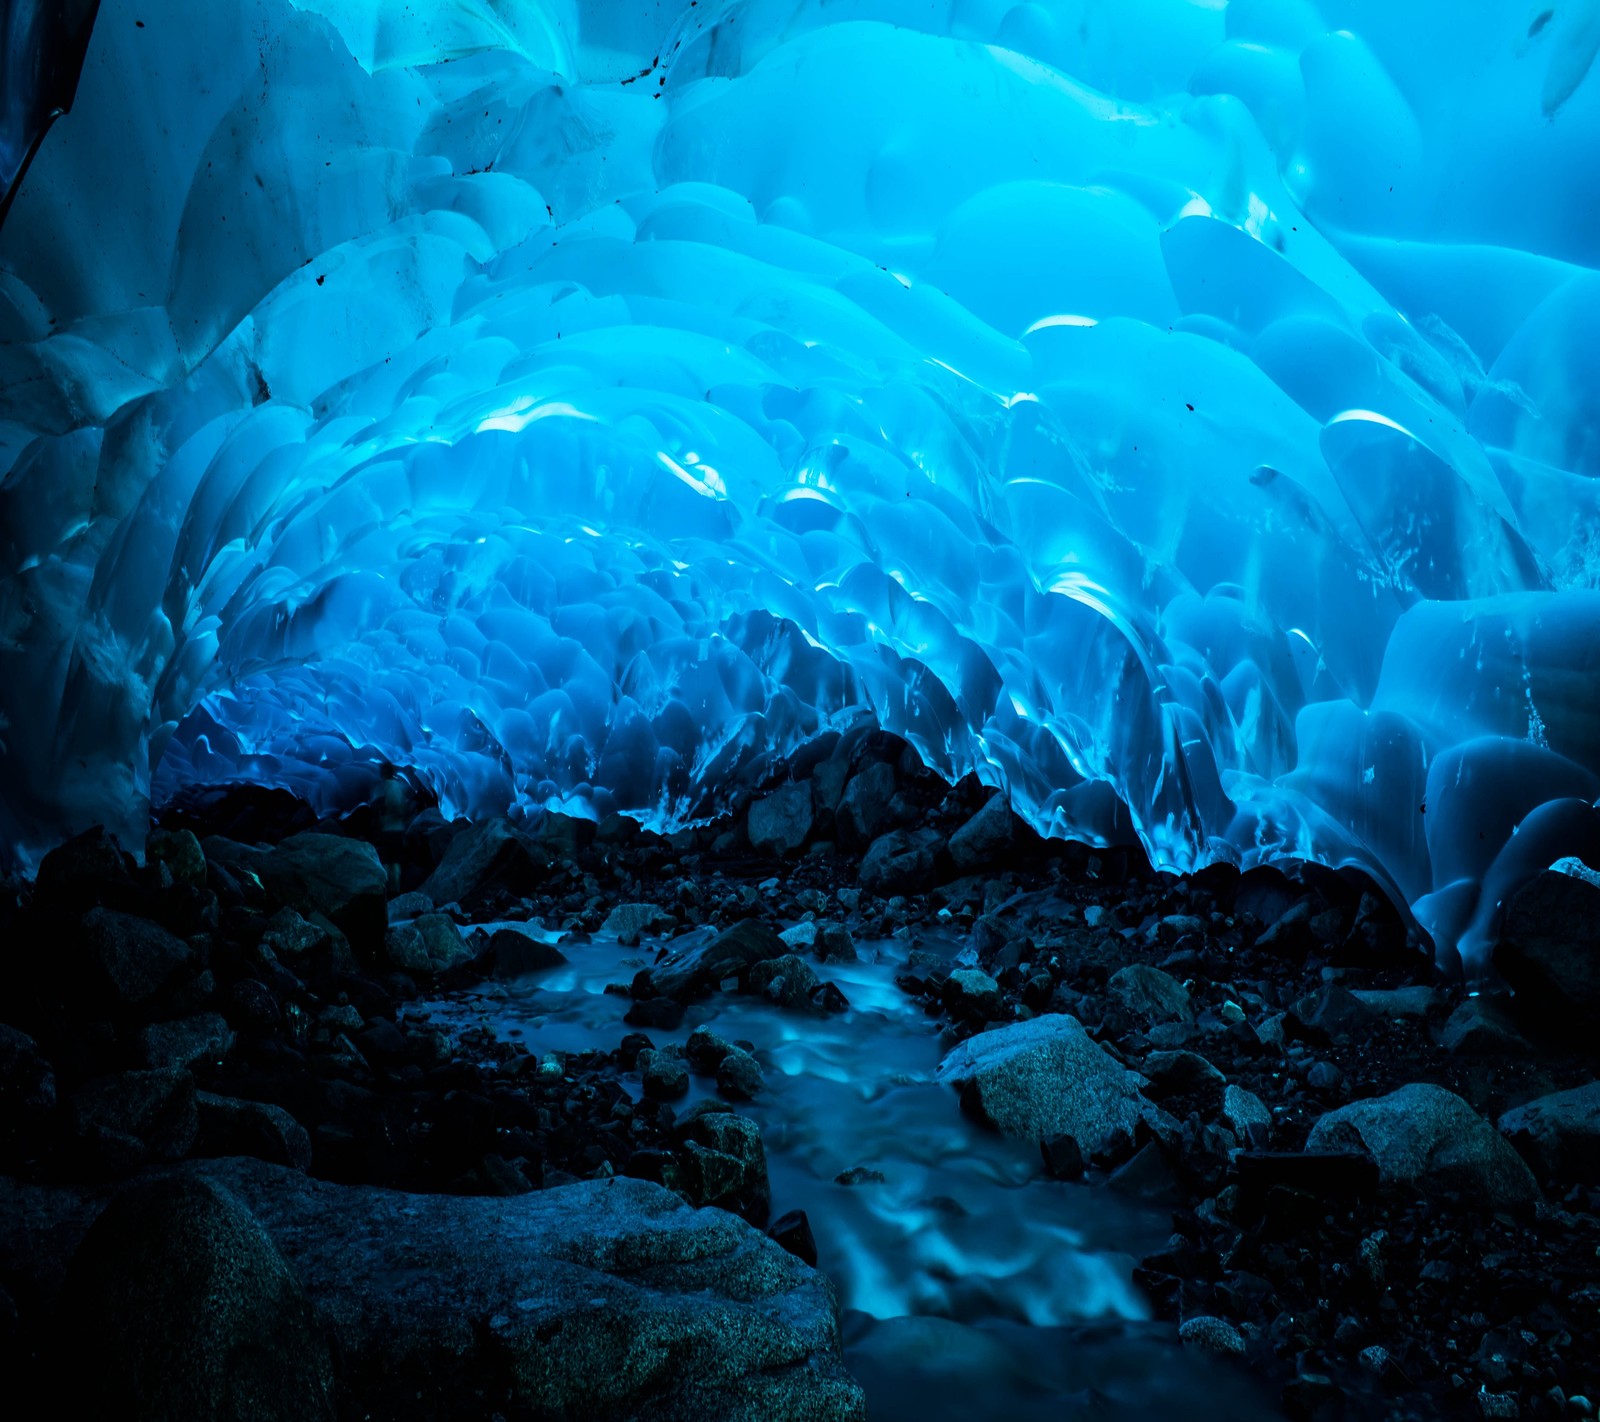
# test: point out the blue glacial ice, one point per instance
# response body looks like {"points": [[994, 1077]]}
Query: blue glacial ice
{"points": [[1185, 413]]}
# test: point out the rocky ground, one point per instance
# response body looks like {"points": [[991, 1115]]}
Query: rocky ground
{"points": [[1384, 1191]]}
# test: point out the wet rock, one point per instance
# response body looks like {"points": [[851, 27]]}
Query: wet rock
{"points": [[1560, 1133], [739, 1075], [1246, 1115], [192, 1313], [488, 854], [125, 961], [1550, 945], [666, 1078], [866, 809], [253, 1128], [427, 946], [1215, 1336], [631, 922], [27, 1096], [1047, 1077], [340, 878], [704, 1051], [136, 1116], [972, 993], [724, 1164], [1484, 1027], [1428, 1137], [834, 944], [860, 1175], [730, 954], [986, 836], [793, 1233], [900, 862], [516, 955], [665, 1014], [1150, 994], [788, 982], [201, 1040], [779, 823]]}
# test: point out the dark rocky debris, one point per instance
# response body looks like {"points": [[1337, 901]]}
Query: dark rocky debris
{"points": [[216, 1084]]}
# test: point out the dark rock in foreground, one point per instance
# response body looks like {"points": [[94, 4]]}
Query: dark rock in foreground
{"points": [[602, 1299]]}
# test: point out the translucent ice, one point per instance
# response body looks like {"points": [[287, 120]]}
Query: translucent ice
{"points": [[1185, 413]]}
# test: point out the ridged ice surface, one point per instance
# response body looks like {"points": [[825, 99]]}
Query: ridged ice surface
{"points": [[1186, 413]]}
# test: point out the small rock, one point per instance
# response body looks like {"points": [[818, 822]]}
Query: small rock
{"points": [[666, 1078], [900, 862], [1335, 1012], [780, 823], [1398, 1003], [739, 1075], [860, 1175], [426, 947], [180, 851], [1483, 1027], [1547, 946], [410, 905], [1150, 994], [1063, 1160], [125, 961], [149, 1114], [663, 1013], [1497, 1405], [731, 954], [972, 993], [253, 1128], [705, 1050], [788, 981], [1324, 1076], [866, 809], [1215, 1336], [1246, 1115], [630, 922], [1178, 1073]]}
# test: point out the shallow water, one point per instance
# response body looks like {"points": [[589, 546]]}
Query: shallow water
{"points": [[973, 1285]]}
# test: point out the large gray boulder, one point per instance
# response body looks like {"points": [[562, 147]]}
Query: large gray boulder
{"points": [[1047, 1077], [485, 855], [1428, 1137], [603, 1299], [985, 837], [177, 1306], [1560, 1133]]}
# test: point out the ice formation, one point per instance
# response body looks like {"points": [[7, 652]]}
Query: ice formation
{"points": [[1185, 413]]}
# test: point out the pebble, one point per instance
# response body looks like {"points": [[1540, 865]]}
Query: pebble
{"points": [[1217, 1336]]}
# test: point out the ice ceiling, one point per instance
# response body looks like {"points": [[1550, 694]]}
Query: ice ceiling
{"points": [[1185, 413]]}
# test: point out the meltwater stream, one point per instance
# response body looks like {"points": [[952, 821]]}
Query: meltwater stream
{"points": [[973, 1286]]}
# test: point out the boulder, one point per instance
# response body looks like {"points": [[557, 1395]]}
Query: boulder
{"points": [[724, 1163], [1560, 1133], [1150, 994], [900, 862], [1427, 1137], [779, 823], [1549, 946], [27, 1096], [1334, 1012], [188, 1311], [986, 836], [628, 923], [739, 1075], [486, 855], [426, 946], [1179, 1073], [514, 954], [731, 954], [788, 981], [1246, 1115], [137, 1116], [866, 809], [342, 879], [201, 1040], [88, 869], [1047, 1077], [123, 961], [253, 1128], [971, 992], [1484, 1027], [180, 851], [603, 1299]]}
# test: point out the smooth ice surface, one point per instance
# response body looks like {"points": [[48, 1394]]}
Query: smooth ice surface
{"points": [[1186, 413]]}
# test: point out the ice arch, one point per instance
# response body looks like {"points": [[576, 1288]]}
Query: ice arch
{"points": [[1177, 405]]}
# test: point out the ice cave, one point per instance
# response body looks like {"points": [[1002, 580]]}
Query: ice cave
{"points": [[779, 710]]}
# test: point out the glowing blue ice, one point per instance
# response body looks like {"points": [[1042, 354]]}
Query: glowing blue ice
{"points": [[1184, 412]]}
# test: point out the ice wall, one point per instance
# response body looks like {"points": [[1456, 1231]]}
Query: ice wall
{"points": [[1186, 413]]}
